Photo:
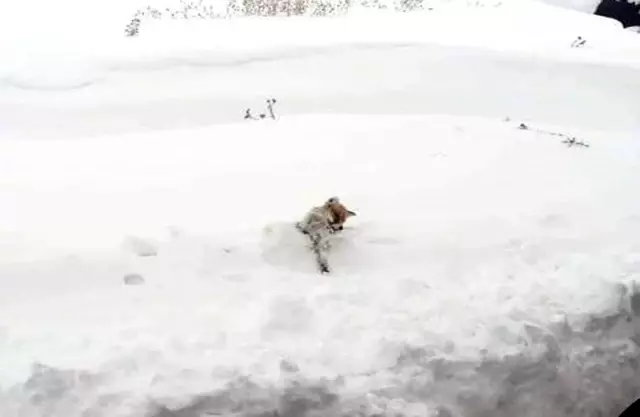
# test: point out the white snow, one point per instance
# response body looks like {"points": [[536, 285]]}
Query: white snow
{"points": [[472, 236], [193, 73]]}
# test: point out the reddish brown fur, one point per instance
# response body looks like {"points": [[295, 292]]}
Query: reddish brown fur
{"points": [[339, 213]]}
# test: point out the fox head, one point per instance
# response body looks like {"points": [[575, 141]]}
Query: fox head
{"points": [[339, 212]]}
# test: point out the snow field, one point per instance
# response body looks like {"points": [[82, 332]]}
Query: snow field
{"points": [[447, 252], [489, 271]]}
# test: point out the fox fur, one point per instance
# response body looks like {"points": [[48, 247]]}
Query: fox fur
{"points": [[329, 217], [339, 213], [321, 221]]}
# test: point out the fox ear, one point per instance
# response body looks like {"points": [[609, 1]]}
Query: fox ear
{"points": [[351, 213]]}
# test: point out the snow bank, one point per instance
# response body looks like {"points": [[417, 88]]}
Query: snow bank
{"points": [[490, 269], [398, 79], [180, 74], [99, 42], [485, 261]]}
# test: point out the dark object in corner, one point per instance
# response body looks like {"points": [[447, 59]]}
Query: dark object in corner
{"points": [[621, 10]]}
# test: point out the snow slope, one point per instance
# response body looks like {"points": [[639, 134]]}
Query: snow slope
{"points": [[473, 240], [490, 269], [184, 73]]}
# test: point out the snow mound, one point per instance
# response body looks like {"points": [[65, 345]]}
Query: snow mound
{"points": [[490, 269]]}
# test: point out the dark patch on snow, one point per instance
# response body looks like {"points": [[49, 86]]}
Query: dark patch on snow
{"points": [[133, 279], [140, 247], [634, 300], [288, 366]]}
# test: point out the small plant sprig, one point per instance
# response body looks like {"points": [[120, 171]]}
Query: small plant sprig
{"points": [[579, 42], [133, 28], [221, 9], [570, 141], [187, 10], [574, 142], [271, 102]]}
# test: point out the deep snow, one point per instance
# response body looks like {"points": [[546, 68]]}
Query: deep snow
{"points": [[474, 239], [180, 74], [489, 271]]}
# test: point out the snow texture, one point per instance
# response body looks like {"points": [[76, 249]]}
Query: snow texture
{"points": [[491, 270]]}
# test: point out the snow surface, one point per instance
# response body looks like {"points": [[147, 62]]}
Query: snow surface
{"points": [[490, 269], [188, 73]]}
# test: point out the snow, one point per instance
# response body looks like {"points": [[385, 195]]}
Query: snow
{"points": [[110, 86], [490, 269], [585, 6]]}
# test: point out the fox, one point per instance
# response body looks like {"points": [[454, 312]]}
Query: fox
{"points": [[327, 218], [320, 221]]}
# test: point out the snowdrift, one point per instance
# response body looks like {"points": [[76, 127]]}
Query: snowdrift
{"points": [[490, 269], [182, 74], [147, 268]]}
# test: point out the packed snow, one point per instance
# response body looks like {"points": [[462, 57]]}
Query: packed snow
{"points": [[149, 265]]}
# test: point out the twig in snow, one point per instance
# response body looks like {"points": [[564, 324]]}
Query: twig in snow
{"points": [[579, 42], [573, 142], [133, 28], [568, 140], [270, 103], [248, 115]]}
